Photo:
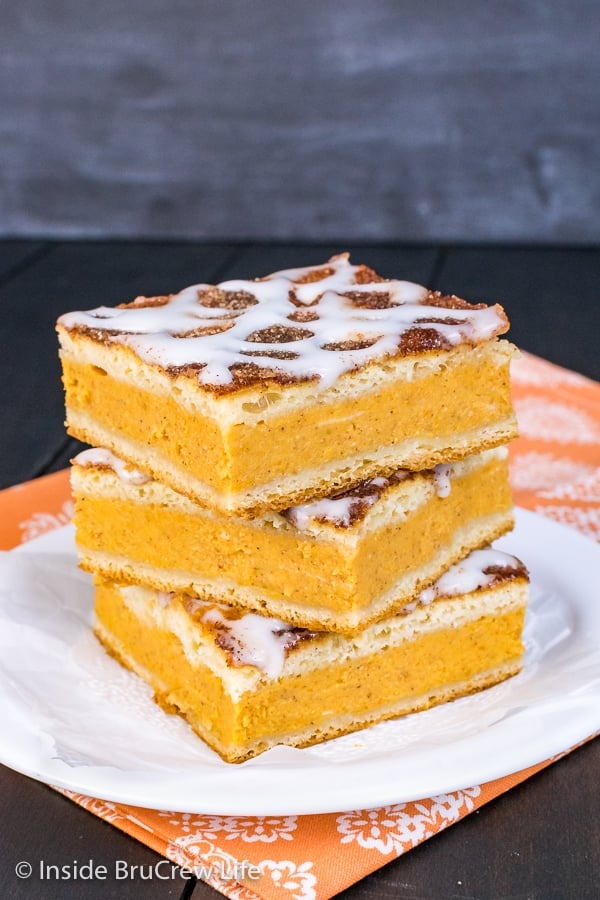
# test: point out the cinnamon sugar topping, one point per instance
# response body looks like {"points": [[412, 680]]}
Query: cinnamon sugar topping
{"points": [[480, 569], [353, 318], [345, 509], [101, 458], [247, 638]]}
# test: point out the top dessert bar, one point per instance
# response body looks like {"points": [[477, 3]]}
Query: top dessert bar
{"points": [[255, 395]]}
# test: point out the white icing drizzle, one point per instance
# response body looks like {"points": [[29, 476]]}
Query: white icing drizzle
{"points": [[167, 334], [99, 456], [337, 511], [258, 641], [471, 573], [441, 480], [341, 511]]}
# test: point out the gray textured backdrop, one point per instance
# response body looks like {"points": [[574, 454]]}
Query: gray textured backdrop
{"points": [[374, 120]]}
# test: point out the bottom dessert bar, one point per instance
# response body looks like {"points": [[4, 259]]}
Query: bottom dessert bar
{"points": [[246, 683]]}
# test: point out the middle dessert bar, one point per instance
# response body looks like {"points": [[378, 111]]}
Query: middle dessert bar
{"points": [[336, 564]]}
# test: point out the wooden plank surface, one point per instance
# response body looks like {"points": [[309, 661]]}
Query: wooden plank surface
{"points": [[411, 263], [44, 829], [16, 255]]}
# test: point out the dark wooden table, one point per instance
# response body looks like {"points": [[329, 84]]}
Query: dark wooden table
{"points": [[539, 841]]}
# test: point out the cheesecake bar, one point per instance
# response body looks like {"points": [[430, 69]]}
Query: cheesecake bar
{"points": [[256, 395], [246, 683], [334, 564]]}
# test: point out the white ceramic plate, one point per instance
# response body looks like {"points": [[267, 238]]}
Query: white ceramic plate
{"points": [[72, 717]]}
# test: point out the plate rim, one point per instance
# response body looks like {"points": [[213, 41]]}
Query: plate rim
{"points": [[350, 791]]}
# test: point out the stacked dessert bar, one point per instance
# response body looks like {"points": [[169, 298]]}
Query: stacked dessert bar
{"points": [[290, 498]]}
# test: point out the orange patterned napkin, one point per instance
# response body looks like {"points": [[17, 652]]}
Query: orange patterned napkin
{"points": [[555, 469]]}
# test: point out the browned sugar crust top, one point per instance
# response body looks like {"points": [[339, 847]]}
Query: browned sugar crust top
{"points": [[311, 323]]}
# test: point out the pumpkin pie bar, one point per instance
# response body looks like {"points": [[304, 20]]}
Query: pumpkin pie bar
{"points": [[253, 395], [246, 682], [335, 564]]}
